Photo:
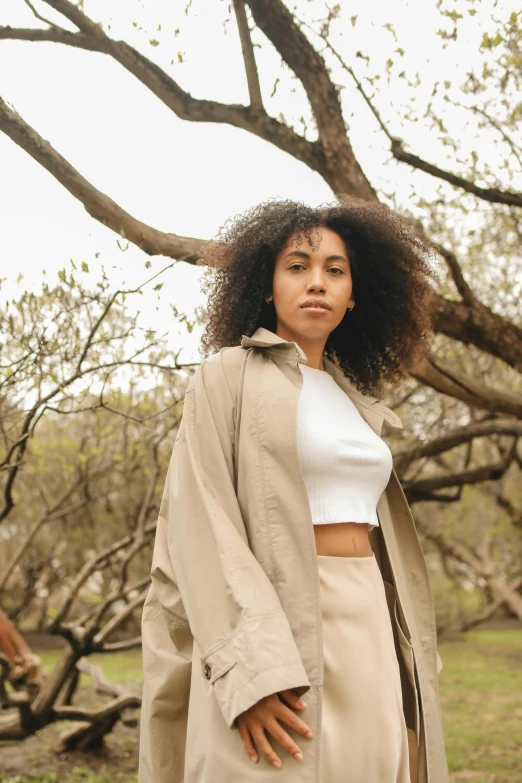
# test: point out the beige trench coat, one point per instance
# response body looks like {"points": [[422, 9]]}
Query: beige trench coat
{"points": [[233, 612]]}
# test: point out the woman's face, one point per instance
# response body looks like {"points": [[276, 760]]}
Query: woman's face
{"points": [[302, 273]]}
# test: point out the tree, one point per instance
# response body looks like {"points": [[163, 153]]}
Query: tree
{"points": [[85, 443]]}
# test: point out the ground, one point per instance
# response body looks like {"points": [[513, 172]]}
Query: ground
{"points": [[481, 697]]}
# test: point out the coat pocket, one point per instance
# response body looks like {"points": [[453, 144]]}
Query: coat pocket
{"points": [[405, 648]]}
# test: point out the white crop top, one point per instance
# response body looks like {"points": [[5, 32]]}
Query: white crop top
{"points": [[346, 465]]}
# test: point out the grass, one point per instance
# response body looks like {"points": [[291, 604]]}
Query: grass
{"points": [[481, 696], [123, 668], [77, 775]]}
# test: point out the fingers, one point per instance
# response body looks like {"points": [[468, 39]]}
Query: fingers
{"points": [[263, 745], [266, 716], [247, 740], [252, 730], [285, 740], [294, 721], [292, 699]]}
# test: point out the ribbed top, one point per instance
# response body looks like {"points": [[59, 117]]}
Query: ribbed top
{"points": [[346, 465]]}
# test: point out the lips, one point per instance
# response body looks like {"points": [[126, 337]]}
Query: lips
{"points": [[315, 303]]}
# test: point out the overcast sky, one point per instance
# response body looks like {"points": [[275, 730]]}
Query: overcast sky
{"points": [[182, 177]]}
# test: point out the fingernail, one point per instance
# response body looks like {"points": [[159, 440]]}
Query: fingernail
{"points": [[276, 764], [309, 735], [298, 756], [253, 758], [300, 703]]}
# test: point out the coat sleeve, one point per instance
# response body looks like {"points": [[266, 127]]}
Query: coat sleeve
{"points": [[167, 667], [212, 577]]}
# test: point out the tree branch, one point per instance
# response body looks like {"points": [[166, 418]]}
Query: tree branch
{"points": [[456, 272], [254, 88], [445, 379], [341, 171], [478, 325], [173, 96], [97, 204], [426, 489], [37, 15], [457, 437], [493, 195], [53, 35]]}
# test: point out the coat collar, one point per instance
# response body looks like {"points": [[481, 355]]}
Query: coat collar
{"points": [[264, 338]]}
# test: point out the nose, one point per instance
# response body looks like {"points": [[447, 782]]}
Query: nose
{"points": [[316, 284]]}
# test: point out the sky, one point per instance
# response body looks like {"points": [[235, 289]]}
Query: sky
{"points": [[182, 177]]}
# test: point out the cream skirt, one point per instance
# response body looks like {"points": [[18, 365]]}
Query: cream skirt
{"points": [[364, 736]]}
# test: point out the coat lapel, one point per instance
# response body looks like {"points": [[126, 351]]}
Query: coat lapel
{"points": [[373, 410]]}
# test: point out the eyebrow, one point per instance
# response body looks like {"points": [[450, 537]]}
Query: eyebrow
{"points": [[304, 254]]}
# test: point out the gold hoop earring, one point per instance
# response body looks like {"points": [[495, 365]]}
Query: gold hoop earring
{"points": [[268, 300], [351, 308]]}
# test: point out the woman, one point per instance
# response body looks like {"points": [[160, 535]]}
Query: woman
{"points": [[286, 562]]}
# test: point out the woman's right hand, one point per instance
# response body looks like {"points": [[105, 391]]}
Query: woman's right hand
{"points": [[265, 715]]}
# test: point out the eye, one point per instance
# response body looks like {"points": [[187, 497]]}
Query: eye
{"points": [[336, 269], [296, 264]]}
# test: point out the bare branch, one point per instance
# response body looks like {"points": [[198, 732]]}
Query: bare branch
{"points": [[493, 195], [54, 35], [507, 593], [341, 169], [352, 73], [254, 88], [456, 272], [452, 440], [51, 513], [445, 379], [97, 204], [96, 562], [480, 617], [478, 325], [127, 644], [171, 94], [426, 489], [116, 621], [37, 15], [94, 716], [515, 149]]}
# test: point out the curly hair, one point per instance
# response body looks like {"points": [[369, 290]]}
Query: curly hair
{"points": [[390, 328]]}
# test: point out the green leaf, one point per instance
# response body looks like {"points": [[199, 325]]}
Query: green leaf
{"points": [[85, 266], [489, 42]]}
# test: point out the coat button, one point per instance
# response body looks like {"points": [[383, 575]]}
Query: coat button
{"points": [[207, 671]]}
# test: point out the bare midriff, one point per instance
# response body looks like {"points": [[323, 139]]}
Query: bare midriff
{"points": [[343, 539]]}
